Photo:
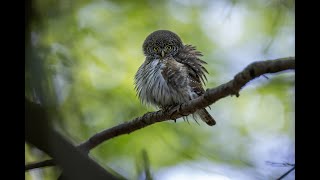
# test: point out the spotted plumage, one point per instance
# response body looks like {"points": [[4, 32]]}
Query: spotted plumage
{"points": [[171, 74]]}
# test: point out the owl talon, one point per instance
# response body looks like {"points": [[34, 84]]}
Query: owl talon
{"points": [[234, 92], [171, 109]]}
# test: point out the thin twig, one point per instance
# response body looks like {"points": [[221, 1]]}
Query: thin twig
{"points": [[232, 87], [275, 164], [285, 174]]}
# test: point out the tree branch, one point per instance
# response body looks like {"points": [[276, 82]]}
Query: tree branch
{"points": [[45, 163], [288, 172], [232, 87]]}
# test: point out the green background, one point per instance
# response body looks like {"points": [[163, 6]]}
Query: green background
{"points": [[89, 51]]}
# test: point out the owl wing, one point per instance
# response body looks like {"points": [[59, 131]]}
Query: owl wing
{"points": [[196, 73], [190, 57], [175, 73], [196, 88]]}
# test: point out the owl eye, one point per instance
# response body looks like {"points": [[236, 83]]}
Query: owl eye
{"points": [[156, 49], [168, 47]]}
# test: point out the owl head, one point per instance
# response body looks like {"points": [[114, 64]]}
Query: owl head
{"points": [[162, 43]]}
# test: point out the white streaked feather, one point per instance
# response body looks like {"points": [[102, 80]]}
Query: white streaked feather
{"points": [[153, 89]]}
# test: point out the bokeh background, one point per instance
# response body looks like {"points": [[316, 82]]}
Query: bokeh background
{"points": [[85, 55]]}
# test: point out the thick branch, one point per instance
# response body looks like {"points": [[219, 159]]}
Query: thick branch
{"points": [[39, 164], [232, 87]]}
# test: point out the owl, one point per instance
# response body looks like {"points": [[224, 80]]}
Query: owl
{"points": [[171, 74]]}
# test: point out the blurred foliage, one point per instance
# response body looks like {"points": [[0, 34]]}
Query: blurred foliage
{"points": [[84, 54]]}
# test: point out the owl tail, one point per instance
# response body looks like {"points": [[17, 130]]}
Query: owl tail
{"points": [[206, 117]]}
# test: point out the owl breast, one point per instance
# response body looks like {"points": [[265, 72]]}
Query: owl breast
{"points": [[153, 88]]}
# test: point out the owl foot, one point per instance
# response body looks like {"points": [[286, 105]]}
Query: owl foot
{"points": [[172, 110], [169, 108], [234, 92]]}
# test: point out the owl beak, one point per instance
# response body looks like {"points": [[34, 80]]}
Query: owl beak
{"points": [[162, 53]]}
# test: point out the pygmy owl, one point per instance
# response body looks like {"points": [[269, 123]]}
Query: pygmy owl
{"points": [[171, 74]]}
